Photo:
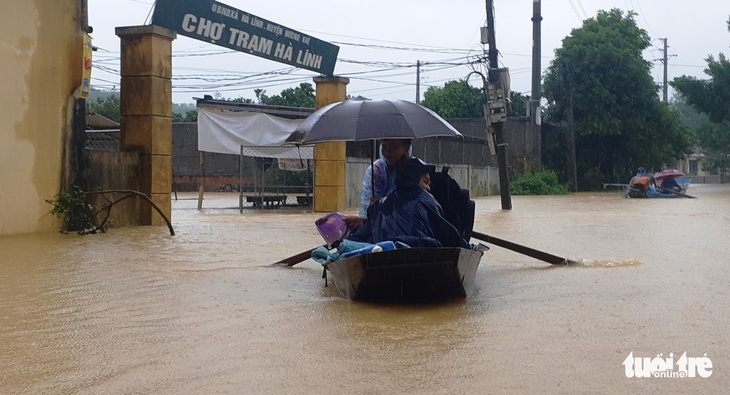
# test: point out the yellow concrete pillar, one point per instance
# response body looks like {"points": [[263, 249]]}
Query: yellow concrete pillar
{"points": [[146, 112], [330, 158]]}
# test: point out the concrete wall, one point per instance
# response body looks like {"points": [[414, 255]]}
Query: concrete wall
{"points": [[479, 180], [523, 146], [709, 179], [116, 171], [41, 44], [469, 160]]}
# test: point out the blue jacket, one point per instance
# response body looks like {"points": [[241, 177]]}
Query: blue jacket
{"points": [[384, 183]]}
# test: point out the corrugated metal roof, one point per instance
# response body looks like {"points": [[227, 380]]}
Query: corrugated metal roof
{"points": [[102, 140]]}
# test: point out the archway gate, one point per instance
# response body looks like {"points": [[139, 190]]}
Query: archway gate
{"points": [[146, 89]]}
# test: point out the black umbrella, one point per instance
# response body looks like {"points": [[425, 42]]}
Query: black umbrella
{"points": [[357, 120]]}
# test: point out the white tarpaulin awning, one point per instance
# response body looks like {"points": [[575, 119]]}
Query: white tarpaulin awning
{"points": [[248, 133]]}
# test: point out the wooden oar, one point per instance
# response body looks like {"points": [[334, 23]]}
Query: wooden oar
{"points": [[676, 193], [531, 252], [295, 259]]}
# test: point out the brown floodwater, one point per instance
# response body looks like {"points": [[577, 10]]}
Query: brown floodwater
{"points": [[138, 311]]}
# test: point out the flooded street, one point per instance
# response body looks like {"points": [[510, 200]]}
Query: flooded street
{"points": [[139, 311]]}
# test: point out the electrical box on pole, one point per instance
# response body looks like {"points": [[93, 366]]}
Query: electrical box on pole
{"points": [[484, 30]]}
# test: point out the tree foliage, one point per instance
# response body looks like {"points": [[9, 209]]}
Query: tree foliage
{"points": [[241, 99], [715, 141], [76, 212], [518, 105], [714, 138], [301, 96], [711, 97], [107, 104], [541, 182], [458, 99], [80, 216], [190, 116], [619, 122], [107, 107], [691, 118]]}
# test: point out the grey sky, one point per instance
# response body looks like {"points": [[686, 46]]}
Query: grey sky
{"points": [[694, 30]]}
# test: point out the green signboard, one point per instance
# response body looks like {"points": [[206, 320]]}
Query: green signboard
{"points": [[229, 27]]}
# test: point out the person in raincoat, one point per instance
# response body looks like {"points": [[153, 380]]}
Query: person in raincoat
{"points": [[379, 178], [640, 184], [410, 214], [670, 184]]}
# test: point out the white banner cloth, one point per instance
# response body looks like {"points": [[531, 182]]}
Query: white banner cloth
{"points": [[260, 135]]}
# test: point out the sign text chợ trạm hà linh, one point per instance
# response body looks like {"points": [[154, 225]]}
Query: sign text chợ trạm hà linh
{"points": [[251, 42], [232, 28]]}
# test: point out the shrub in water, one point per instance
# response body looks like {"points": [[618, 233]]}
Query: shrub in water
{"points": [[541, 182]]}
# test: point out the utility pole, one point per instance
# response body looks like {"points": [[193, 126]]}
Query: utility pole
{"points": [[418, 82], [495, 83], [536, 94], [664, 60]]}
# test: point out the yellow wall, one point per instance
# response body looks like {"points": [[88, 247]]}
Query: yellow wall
{"points": [[41, 52]]}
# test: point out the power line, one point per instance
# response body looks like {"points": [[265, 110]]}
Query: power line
{"points": [[575, 10], [644, 18], [583, 9], [186, 79], [418, 49], [372, 39]]}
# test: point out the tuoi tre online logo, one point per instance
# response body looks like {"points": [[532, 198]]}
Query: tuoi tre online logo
{"points": [[660, 367]]}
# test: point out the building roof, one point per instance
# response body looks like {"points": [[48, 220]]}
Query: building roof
{"points": [[279, 111], [95, 121]]}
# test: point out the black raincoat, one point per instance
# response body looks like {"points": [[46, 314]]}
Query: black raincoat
{"points": [[409, 214]]}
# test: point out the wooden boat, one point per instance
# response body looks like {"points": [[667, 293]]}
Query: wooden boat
{"points": [[633, 193], [407, 275], [658, 193], [416, 274]]}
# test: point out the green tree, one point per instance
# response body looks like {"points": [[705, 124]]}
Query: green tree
{"points": [[620, 123], [108, 107], [301, 96], [241, 99], [715, 143], [457, 99], [711, 97], [518, 108], [537, 182], [106, 103], [691, 118], [190, 116], [713, 138]]}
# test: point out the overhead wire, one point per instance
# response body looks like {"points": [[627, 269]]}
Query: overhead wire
{"points": [[575, 10], [187, 79], [583, 10], [238, 80]]}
